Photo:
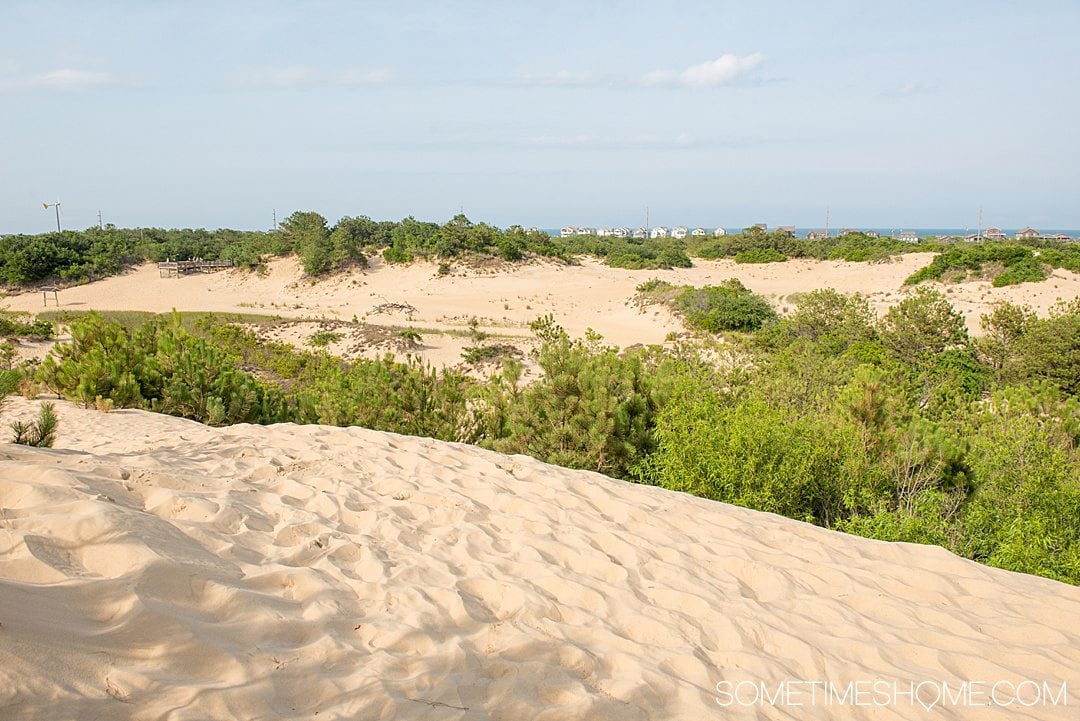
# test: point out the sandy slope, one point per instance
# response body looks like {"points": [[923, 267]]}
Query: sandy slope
{"points": [[153, 568], [590, 295]]}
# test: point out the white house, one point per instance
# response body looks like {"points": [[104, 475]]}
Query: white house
{"points": [[658, 232], [568, 231], [871, 234], [908, 236], [641, 233], [698, 232], [679, 232], [993, 234], [586, 231], [620, 232], [816, 235], [603, 232], [718, 232], [1028, 233]]}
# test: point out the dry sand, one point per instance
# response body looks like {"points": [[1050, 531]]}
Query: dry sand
{"points": [[154, 568], [505, 300]]}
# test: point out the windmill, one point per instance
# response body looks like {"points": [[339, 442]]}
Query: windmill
{"points": [[57, 206]]}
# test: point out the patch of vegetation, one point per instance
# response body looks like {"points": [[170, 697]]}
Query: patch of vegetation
{"points": [[481, 354], [1007, 263], [759, 255], [323, 338], [725, 307], [16, 325], [855, 247], [40, 433]]}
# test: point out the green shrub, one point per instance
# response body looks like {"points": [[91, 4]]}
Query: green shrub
{"points": [[760, 255], [40, 433], [729, 306], [323, 338], [1024, 271]]}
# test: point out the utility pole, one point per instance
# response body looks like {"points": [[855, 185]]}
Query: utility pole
{"points": [[646, 220], [979, 236], [275, 218], [99, 225], [55, 205], [826, 221]]}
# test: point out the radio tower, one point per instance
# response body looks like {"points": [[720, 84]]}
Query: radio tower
{"points": [[826, 221]]}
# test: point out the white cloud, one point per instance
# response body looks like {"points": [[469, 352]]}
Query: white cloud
{"points": [[724, 70], [60, 79]]}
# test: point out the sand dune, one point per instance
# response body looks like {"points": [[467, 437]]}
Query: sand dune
{"points": [[154, 568], [504, 301]]}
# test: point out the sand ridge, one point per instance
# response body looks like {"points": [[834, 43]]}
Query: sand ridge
{"points": [[506, 299], [155, 568]]}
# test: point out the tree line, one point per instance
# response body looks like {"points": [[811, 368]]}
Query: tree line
{"points": [[80, 256]]}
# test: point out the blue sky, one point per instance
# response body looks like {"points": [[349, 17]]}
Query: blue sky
{"points": [[200, 114]]}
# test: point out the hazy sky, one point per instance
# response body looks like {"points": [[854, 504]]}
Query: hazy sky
{"points": [[210, 114]]}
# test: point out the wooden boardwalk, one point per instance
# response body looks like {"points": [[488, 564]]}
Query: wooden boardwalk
{"points": [[176, 268]]}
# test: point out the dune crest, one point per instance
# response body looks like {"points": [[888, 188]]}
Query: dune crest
{"points": [[151, 567]]}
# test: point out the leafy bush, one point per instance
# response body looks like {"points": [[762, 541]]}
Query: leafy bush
{"points": [[760, 255], [922, 325], [12, 325], [1024, 271], [159, 367], [728, 306]]}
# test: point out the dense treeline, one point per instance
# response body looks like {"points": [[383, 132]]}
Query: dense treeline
{"points": [[95, 253], [757, 246], [903, 428], [78, 256]]}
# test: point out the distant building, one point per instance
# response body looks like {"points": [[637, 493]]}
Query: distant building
{"points": [[993, 234], [568, 231], [871, 234], [586, 231], [848, 231], [1058, 236], [698, 232], [658, 232], [603, 232], [679, 232], [788, 230], [620, 232], [971, 238], [641, 233], [761, 226], [1027, 233], [908, 236], [816, 235], [719, 232]]}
